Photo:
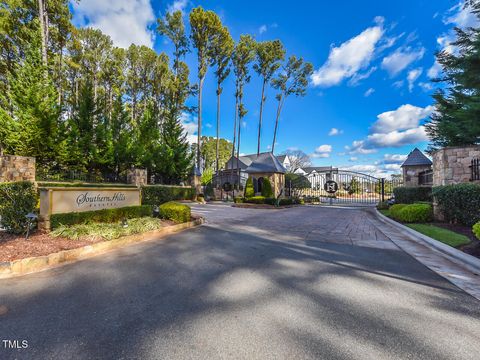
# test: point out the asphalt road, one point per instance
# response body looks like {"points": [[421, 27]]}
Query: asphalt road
{"points": [[232, 289]]}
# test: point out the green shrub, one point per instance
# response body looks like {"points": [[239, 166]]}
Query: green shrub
{"points": [[476, 230], [238, 200], [249, 189], [459, 203], [159, 194], [409, 195], [177, 212], [267, 188], [17, 199], [108, 231], [286, 201], [395, 210], [415, 213], [255, 200], [104, 216], [270, 201], [383, 205]]}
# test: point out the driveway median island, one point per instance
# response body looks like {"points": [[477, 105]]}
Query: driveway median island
{"points": [[87, 238]]}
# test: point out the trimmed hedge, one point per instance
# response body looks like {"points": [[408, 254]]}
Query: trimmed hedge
{"points": [[459, 203], [17, 199], [238, 200], [267, 188], [249, 189], [476, 230], [159, 194], [104, 215], [41, 184], [395, 210], [177, 212], [414, 213], [410, 195], [255, 200]]}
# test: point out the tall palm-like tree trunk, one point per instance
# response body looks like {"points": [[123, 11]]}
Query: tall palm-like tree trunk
{"points": [[262, 102], [279, 110], [219, 91]]}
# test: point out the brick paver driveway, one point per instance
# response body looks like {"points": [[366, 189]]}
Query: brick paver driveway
{"points": [[300, 283]]}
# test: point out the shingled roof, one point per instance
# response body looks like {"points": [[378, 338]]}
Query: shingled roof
{"points": [[416, 158], [265, 163]]}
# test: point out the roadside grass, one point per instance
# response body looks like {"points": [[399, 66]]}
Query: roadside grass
{"points": [[107, 231], [435, 232], [445, 236]]}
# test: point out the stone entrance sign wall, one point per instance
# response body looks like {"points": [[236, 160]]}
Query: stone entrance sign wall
{"points": [[451, 165], [60, 200], [17, 168]]}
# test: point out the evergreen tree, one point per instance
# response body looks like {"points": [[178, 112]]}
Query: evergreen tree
{"points": [[33, 99], [455, 121]]}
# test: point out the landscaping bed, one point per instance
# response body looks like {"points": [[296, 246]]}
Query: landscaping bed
{"points": [[261, 206], [458, 236], [14, 247]]}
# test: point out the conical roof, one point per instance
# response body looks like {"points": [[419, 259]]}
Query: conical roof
{"points": [[416, 158]]}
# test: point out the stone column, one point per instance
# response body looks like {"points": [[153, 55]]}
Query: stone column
{"points": [[137, 177], [17, 168]]}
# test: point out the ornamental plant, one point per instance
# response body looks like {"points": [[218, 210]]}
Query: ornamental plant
{"points": [[267, 188], [476, 230], [249, 190], [17, 199]]}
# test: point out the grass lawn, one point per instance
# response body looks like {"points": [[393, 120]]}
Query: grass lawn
{"points": [[435, 232], [108, 231], [445, 236]]}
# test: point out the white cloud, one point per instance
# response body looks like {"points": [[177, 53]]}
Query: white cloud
{"points": [[394, 129], [350, 57], [394, 158], [425, 86], [357, 78], [125, 21], [398, 84], [335, 131], [405, 117], [178, 5], [353, 159], [262, 29], [323, 151], [462, 16], [190, 126], [369, 92], [412, 77], [401, 59], [394, 167]]}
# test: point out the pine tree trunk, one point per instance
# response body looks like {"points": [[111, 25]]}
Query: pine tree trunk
{"points": [[41, 16], [218, 126], [279, 109], [238, 144], [234, 130], [261, 114], [199, 130]]}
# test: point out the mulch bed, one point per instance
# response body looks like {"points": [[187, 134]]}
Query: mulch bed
{"points": [[14, 247], [474, 247], [39, 243]]}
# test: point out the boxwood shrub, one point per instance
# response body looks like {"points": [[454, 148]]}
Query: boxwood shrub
{"points": [[179, 213], [249, 189], [409, 195], [159, 194], [255, 200], [104, 215], [414, 213], [267, 188], [459, 203], [476, 230], [395, 210], [17, 199], [238, 200]]}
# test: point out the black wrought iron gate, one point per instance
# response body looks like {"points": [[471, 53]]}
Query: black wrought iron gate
{"points": [[341, 187]]}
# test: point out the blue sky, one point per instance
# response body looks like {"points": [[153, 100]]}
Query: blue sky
{"points": [[373, 60]]}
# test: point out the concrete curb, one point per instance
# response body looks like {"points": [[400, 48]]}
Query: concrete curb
{"points": [[35, 264], [460, 258]]}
